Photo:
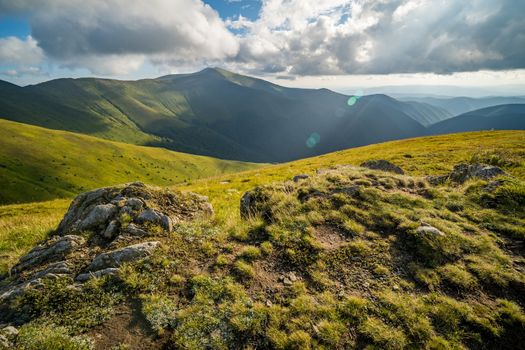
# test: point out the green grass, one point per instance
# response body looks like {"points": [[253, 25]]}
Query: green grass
{"points": [[418, 157], [40, 164], [364, 275]]}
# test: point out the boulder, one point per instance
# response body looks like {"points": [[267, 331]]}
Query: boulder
{"points": [[426, 229], [437, 180], [98, 216], [383, 165], [110, 271], [104, 211], [116, 258], [53, 271], [300, 177], [463, 172], [53, 250]]}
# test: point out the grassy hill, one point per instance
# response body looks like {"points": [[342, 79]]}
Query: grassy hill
{"points": [[216, 113], [347, 258], [41, 164], [22, 225]]}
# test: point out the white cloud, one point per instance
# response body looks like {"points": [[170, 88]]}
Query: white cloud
{"points": [[15, 51], [115, 36], [289, 37], [310, 37]]}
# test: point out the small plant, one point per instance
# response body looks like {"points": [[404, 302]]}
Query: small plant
{"points": [[244, 269], [250, 253]]}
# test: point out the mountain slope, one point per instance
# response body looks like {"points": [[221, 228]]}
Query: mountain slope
{"points": [[40, 164], [215, 112], [425, 113], [345, 258], [460, 105], [503, 117]]}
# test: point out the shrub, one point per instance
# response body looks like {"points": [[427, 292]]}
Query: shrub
{"points": [[160, 312]]}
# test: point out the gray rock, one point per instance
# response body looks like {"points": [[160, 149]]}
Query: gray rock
{"points": [[51, 251], [247, 204], [9, 331], [134, 230], [166, 223], [53, 271], [383, 165], [110, 271], [111, 230], [464, 172], [149, 215], [300, 177], [99, 215], [116, 258], [135, 203], [437, 179], [426, 229]]}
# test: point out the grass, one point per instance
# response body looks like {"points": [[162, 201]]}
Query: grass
{"points": [[418, 157], [39, 164], [364, 274]]}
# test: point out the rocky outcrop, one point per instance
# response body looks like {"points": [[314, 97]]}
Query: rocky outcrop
{"points": [[383, 165], [463, 172], [54, 249], [101, 230], [109, 211], [116, 258]]}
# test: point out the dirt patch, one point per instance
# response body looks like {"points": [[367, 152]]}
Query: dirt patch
{"points": [[127, 327], [329, 237]]}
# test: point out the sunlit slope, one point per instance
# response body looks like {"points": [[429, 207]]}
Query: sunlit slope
{"points": [[216, 113], [419, 156], [40, 164]]}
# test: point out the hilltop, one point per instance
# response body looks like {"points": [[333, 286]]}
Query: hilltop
{"points": [[347, 257], [40, 164]]}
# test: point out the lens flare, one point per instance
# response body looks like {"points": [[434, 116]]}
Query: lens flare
{"points": [[352, 101], [313, 140]]}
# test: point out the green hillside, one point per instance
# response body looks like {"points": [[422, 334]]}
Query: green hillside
{"points": [[347, 258], [41, 164], [216, 113], [22, 225]]}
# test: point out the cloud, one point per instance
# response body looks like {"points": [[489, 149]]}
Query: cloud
{"points": [[289, 37], [310, 37], [118, 35], [15, 51]]}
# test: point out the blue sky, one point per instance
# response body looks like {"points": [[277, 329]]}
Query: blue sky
{"points": [[234, 8], [328, 43], [14, 26]]}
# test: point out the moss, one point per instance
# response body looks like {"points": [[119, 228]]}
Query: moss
{"points": [[244, 270], [458, 276], [382, 335], [34, 336], [250, 253]]}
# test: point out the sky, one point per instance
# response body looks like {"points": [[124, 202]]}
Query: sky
{"points": [[338, 44]]}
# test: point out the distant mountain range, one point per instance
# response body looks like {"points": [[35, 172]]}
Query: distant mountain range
{"points": [[218, 113], [502, 117], [459, 105]]}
